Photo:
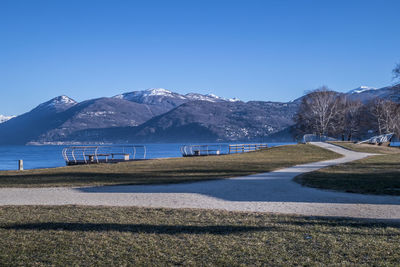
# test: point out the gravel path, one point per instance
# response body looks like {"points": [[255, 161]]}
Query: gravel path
{"points": [[267, 192]]}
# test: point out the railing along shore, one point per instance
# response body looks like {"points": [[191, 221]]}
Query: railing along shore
{"points": [[242, 148], [76, 155], [208, 150]]}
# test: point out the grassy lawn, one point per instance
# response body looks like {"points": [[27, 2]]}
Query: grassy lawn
{"points": [[368, 148], [74, 235], [172, 170], [374, 175]]}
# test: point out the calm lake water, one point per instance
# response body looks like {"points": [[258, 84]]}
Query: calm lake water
{"points": [[35, 157]]}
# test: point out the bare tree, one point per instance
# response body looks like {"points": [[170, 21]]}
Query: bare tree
{"points": [[347, 122], [317, 112], [386, 115], [352, 117]]}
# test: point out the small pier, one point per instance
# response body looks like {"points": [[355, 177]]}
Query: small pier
{"points": [[209, 150], [77, 155]]}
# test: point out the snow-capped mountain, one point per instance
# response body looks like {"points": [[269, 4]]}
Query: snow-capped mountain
{"points": [[5, 118], [209, 97], [366, 94], [155, 96], [159, 115], [361, 89], [161, 95], [62, 102], [148, 95]]}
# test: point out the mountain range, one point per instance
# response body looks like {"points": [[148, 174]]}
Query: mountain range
{"points": [[159, 115], [365, 94]]}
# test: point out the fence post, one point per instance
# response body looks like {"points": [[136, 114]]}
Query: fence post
{"points": [[20, 165]]}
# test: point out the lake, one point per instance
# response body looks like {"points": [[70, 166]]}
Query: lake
{"points": [[35, 157]]}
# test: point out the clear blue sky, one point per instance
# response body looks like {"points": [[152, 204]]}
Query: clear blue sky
{"points": [[253, 50]]}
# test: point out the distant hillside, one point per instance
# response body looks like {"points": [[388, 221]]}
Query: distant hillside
{"points": [[62, 119], [159, 115], [203, 121], [28, 126], [100, 113], [219, 121], [365, 94], [167, 99]]}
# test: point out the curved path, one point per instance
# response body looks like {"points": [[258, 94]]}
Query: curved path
{"points": [[266, 192]]}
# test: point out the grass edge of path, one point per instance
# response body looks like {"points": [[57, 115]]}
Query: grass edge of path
{"points": [[173, 170], [377, 174]]}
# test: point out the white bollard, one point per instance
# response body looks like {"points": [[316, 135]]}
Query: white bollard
{"points": [[20, 165]]}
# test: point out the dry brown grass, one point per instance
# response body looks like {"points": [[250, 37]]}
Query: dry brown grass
{"points": [[173, 170], [367, 148], [117, 236], [373, 175]]}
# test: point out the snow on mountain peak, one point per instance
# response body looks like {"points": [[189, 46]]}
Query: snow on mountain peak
{"points": [[62, 100], [158, 91], [145, 95], [59, 101], [152, 92], [213, 96], [218, 98], [361, 89], [208, 97], [5, 118]]}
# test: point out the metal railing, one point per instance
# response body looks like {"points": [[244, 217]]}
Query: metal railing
{"points": [[223, 149], [102, 154], [380, 139], [201, 150], [242, 148], [316, 138]]}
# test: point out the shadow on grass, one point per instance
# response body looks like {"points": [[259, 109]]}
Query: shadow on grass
{"points": [[381, 183], [261, 187], [125, 177], [306, 227], [137, 228], [380, 165]]}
